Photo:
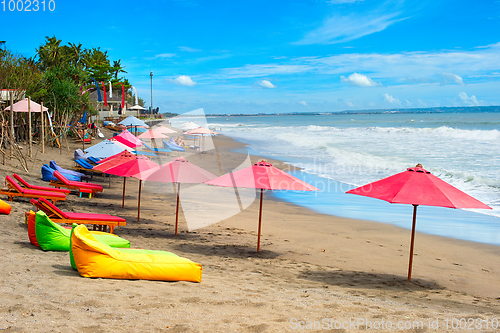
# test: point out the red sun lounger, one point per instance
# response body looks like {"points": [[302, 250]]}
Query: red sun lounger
{"points": [[58, 216], [27, 185], [74, 185], [15, 190]]}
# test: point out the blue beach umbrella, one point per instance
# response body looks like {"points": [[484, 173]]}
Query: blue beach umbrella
{"points": [[104, 149], [132, 121]]}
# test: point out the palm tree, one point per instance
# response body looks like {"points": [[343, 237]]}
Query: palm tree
{"points": [[117, 68]]}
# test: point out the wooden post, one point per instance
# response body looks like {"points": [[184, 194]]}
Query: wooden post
{"points": [[12, 135], [123, 199], [177, 209], [412, 241], [42, 122], [139, 201], [260, 219], [29, 126]]}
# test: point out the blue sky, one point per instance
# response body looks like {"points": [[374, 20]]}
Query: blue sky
{"points": [[284, 56]]}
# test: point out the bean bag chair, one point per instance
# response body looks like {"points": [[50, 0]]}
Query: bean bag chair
{"points": [[53, 237], [97, 260], [48, 174], [54, 166], [5, 208], [31, 228], [124, 250]]}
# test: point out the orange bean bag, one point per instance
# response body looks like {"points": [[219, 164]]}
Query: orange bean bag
{"points": [[31, 228], [5, 208]]}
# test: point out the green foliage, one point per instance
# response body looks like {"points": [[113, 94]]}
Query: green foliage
{"points": [[60, 74]]}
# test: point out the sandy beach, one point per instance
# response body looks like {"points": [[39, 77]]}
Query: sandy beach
{"points": [[314, 272]]}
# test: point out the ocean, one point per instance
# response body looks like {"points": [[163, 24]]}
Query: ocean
{"points": [[337, 152]]}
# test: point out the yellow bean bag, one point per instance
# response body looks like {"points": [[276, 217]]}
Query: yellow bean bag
{"points": [[98, 260]]}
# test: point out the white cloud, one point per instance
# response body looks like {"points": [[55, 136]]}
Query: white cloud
{"points": [[410, 65], [339, 2], [164, 55], [390, 99], [263, 70], [184, 80], [303, 103], [359, 80], [188, 49], [338, 29], [266, 84], [451, 78], [471, 101]]}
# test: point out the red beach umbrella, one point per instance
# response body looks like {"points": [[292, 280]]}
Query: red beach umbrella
{"points": [[124, 153], [179, 171], [417, 186], [132, 168], [263, 176]]}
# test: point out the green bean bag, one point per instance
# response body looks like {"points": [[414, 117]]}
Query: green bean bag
{"points": [[53, 237]]}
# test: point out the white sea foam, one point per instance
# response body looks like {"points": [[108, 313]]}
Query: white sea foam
{"points": [[465, 157]]}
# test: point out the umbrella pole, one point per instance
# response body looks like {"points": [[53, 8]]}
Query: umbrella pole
{"points": [[260, 219], [123, 198], [412, 240], [139, 202], [177, 209]]}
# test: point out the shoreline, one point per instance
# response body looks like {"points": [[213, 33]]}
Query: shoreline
{"points": [[373, 210], [311, 266]]}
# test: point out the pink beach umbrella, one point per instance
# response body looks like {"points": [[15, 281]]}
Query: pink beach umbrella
{"points": [[128, 139], [263, 176], [179, 171], [133, 168], [151, 135], [164, 130], [417, 186], [201, 131], [22, 106]]}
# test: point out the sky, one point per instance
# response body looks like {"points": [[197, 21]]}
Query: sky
{"points": [[282, 56]]}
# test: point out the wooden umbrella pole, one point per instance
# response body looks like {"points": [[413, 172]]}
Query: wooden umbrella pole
{"points": [[139, 202], [260, 219], [412, 240], [177, 209], [42, 122], [123, 198], [29, 127]]}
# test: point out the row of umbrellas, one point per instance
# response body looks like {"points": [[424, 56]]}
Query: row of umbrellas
{"points": [[415, 186], [261, 176]]}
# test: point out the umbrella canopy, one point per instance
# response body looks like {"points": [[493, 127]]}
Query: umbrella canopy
{"points": [[128, 139], [137, 107], [189, 126], [201, 131], [179, 171], [114, 160], [151, 135], [263, 176], [22, 106], [417, 186], [132, 168], [104, 149], [132, 121], [164, 130]]}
